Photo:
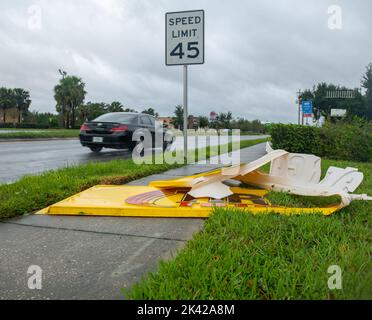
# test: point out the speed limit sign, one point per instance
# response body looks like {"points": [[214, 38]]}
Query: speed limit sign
{"points": [[184, 37], [184, 45]]}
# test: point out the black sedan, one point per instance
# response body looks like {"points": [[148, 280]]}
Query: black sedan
{"points": [[115, 130]]}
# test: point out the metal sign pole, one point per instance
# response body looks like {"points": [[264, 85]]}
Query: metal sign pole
{"points": [[302, 121], [299, 105], [185, 112]]}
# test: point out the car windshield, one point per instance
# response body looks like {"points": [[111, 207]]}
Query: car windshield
{"points": [[116, 117]]}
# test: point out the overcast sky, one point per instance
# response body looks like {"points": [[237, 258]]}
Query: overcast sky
{"points": [[257, 53]]}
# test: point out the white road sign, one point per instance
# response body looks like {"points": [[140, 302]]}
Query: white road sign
{"points": [[338, 112], [184, 32]]}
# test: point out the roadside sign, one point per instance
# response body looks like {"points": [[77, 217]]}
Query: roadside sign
{"points": [[184, 45], [338, 113], [184, 32], [307, 108], [213, 116]]}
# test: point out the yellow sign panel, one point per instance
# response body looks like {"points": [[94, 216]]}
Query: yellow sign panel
{"points": [[149, 201]]}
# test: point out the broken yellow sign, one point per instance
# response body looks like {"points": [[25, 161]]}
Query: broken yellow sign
{"points": [[196, 195]]}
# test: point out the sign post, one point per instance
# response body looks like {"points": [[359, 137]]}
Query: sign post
{"points": [[185, 111], [299, 106], [184, 45]]}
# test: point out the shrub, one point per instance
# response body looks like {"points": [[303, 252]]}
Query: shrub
{"points": [[292, 138], [344, 141]]}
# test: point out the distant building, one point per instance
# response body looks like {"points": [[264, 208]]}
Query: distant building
{"points": [[193, 122], [167, 121], [11, 115]]}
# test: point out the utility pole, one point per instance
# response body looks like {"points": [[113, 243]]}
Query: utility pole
{"points": [[299, 106], [63, 74]]}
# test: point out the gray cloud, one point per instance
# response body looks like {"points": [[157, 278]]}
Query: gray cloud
{"points": [[258, 53]]}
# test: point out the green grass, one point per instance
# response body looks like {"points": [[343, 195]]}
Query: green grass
{"points": [[251, 133], [289, 200], [268, 256], [38, 133], [213, 132], [33, 193]]}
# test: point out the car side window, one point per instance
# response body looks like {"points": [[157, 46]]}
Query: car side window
{"points": [[145, 120], [135, 121], [152, 120]]}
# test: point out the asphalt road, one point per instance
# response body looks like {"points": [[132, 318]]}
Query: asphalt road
{"points": [[32, 157]]}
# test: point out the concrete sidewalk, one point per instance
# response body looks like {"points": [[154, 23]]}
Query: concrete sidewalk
{"points": [[93, 257]]}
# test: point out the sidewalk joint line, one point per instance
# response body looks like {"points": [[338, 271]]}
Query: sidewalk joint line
{"points": [[96, 232]]}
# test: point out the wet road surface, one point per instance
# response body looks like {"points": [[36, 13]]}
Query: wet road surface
{"points": [[32, 157]]}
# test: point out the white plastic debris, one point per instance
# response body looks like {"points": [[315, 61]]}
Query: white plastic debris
{"points": [[294, 173]]}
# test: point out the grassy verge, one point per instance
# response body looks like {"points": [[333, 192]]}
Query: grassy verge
{"points": [[33, 193], [268, 256], [213, 132], [251, 133], [38, 133]]}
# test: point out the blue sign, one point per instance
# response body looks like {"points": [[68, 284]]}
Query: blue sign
{"points": [[307, 107]]}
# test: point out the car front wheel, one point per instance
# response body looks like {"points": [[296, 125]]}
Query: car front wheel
{"points": [[96, 149], [166, 145]]}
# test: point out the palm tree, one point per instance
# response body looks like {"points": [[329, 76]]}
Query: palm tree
{"points": [[60, 95], [203, 122], [77, 96], [22, 99], [69, 94], [115, 106], [224, 119], [151, 112], [178, 119]]}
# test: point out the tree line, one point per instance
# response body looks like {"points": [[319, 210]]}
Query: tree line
{"points": [[223, 121], [92, 110], [88, 111], [326, 97], [72, 111], [70, 95]]}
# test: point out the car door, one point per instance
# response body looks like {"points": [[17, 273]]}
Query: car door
{"points": [[152, 128], [145, 123]]}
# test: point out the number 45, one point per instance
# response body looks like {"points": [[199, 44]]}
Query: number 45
{"points": [[191, 46]]}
